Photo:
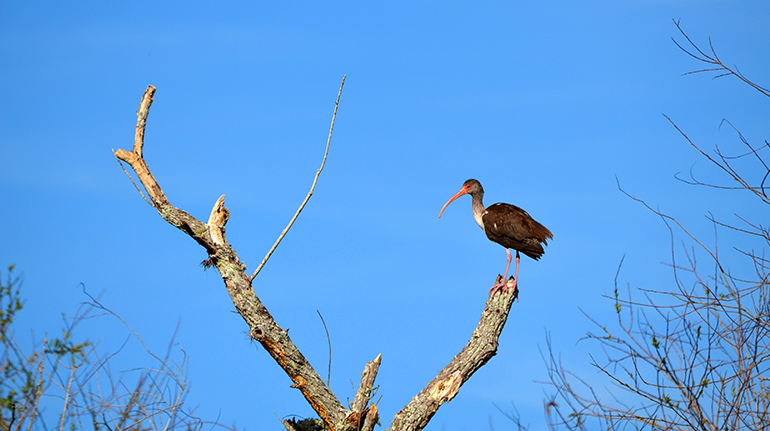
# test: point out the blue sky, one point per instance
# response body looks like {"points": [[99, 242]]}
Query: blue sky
{"points": [[544, 102]]}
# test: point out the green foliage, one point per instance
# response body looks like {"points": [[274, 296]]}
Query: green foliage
{"points": [[10, 303], [18, 383]]}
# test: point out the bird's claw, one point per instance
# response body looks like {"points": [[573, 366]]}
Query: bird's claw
{"points": [[508, 285]]}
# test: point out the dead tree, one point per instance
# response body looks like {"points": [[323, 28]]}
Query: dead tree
{"points": [[361, 414]]}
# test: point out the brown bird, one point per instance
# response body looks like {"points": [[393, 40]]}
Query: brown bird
{"points": [[507, 225]]}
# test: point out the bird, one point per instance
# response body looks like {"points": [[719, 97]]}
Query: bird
{"points": [[507, 225]]}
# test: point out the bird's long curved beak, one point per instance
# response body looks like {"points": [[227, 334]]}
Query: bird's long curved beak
{"points": [[463, 191]]}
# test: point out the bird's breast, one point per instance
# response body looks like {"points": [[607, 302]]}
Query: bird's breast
{"points": [[479, 217]]}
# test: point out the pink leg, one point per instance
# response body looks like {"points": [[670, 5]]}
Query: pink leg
{"points": [[502, 284], [508, 264]]}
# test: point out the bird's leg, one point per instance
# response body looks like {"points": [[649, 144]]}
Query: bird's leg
{"points": [[508, 264], [503, 282], [516, 276]]}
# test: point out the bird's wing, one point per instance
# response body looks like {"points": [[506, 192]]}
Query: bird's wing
{"points": [[511, 227]]}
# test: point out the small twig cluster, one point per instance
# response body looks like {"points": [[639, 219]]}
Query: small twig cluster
{"points": [[63, 384], [692, 357], [713, 60]]}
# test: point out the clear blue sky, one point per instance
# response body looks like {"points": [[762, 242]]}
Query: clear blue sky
{"points": [[543, 102]]}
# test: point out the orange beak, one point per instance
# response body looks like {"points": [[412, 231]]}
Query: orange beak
{"points": [[463, 191]]}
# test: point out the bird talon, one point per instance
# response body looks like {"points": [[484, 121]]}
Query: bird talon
{"points": [[496, 288], [508, 285]]}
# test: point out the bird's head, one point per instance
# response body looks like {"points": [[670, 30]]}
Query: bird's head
{"points": [[470, 187]]}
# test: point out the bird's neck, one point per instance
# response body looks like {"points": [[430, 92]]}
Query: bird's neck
{"points": [[478, 208]]}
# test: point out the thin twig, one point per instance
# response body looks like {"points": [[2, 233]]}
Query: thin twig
{"points": [[131, 178], [329, 341], [67, 397], [38, 386], [310, 193], [714, 60]]}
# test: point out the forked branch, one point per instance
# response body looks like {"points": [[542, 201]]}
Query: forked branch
{"points": [[362, 414], [211, 236], [713, 60]]}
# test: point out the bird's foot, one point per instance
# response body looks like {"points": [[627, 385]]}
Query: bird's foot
{"points": [[508, 285]]}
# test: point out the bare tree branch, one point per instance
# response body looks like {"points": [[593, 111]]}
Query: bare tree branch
{"points": [[309, 194], [712, 59], [363, 415], [211, 236], [480, 349], [692, 356], [724, 165]]}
